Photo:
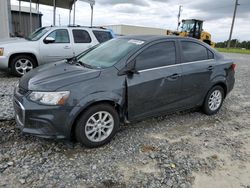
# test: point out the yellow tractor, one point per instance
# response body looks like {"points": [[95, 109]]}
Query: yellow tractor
{"points": [[193, 28]]}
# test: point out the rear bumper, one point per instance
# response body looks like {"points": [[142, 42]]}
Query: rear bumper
{"points": [[41, 120], [230, 82], [4, 62]]}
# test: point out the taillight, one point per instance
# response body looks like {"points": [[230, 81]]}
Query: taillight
{"points": [[233, 66]]}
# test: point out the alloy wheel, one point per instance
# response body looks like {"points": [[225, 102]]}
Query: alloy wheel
{"points": [[99, 126], [215, 100], [23, 65]]}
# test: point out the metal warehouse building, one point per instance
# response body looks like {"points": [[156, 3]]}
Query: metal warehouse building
{"points": [[135, 30], [21, 21]]}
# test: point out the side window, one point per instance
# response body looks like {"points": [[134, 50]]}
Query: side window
{"points": [[102, 36], [193, 51], [81, 36], [60, 36], [157, 55]]}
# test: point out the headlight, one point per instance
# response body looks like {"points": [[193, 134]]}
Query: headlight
{"points": [[1, 51], [50, 98]]}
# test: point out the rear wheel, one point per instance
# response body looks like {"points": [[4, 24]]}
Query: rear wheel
{"points": [[213, 100], [97, 125], [22, 64]]}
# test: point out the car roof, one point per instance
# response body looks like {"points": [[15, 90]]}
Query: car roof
{"points": [[78, 27], [150, 38]]}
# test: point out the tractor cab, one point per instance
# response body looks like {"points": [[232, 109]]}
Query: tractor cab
{"points": [[191, 28]]}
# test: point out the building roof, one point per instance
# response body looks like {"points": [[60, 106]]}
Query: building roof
{"points": [[24, 9], [67, 4]]}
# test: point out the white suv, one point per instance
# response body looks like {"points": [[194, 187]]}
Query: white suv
{"points": [[48, 44]]}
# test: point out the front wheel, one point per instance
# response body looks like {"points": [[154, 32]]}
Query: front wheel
{"points": [[97, 125], [213, 100], [22, 64]]}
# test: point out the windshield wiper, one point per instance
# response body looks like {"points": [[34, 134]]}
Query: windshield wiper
{"points": [[85, 65], [72, 60]]}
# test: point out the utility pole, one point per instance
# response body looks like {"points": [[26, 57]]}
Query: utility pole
{"points": [[92, 7], [179, 15], [54, 13], [232, 26]]}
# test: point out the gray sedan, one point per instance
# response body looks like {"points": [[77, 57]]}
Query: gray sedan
{"points": [[120, 81]]}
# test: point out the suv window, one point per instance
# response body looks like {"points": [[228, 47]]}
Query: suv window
{"points": [[81, 36], [60, 36], [102, 36], [195, 52], [157, 55]]}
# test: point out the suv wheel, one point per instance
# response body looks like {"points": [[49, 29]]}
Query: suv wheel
{"points": [[22, 64], [213, 100], [97, 126]]}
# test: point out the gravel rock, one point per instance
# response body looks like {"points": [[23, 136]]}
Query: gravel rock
{"points": [[22, 181], [10, 163]]}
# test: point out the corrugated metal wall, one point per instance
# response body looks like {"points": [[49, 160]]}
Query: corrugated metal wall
{"points": [[24, 28]]}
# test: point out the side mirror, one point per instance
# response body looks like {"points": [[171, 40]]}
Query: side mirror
{"points": [[48, 40], [129, 69]]}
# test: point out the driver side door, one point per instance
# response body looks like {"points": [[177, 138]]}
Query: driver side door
{"points": [[59, 49], [155, 88]]}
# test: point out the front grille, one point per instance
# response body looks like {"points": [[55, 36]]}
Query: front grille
{"points": [[22, 91]]}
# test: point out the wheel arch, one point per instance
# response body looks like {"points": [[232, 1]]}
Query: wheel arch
{"points": [[219, 83], [118, 107], [224, 86], [12, 56]]}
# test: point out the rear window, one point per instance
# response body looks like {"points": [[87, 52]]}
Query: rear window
{"points": [[81, 36], [195, 52], [102, 36]]}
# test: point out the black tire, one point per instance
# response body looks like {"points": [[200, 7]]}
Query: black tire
{"points": [[208, 42], [80, 132], [16, 61], [206, 109]]}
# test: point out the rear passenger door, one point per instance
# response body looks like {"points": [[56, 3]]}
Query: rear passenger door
{"points": [[156, 87], [197, 64], [82, 40]]}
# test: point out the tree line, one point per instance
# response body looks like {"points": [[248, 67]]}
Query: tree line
{"points": [[235, 43]]}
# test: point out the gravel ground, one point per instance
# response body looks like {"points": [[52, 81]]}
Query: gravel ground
{"points": [[187, 149]]}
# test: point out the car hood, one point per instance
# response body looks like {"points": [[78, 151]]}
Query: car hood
{"points": [[12, 40], [51, 77]]}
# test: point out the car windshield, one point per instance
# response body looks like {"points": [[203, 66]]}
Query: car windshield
{"points": [[187, 26], [36, 35], [109, 53]]}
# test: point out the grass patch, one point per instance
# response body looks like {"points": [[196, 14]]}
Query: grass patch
{"points": [[234, 50]]}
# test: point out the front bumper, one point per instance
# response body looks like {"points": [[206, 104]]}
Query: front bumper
{"points": [[4, 62], [40, 120]]}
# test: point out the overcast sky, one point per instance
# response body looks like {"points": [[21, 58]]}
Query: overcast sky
{"points": [[161, 14]]}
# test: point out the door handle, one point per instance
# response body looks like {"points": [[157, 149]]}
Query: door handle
{"points": [[210, 68], [173, 76], [66, 47]]}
